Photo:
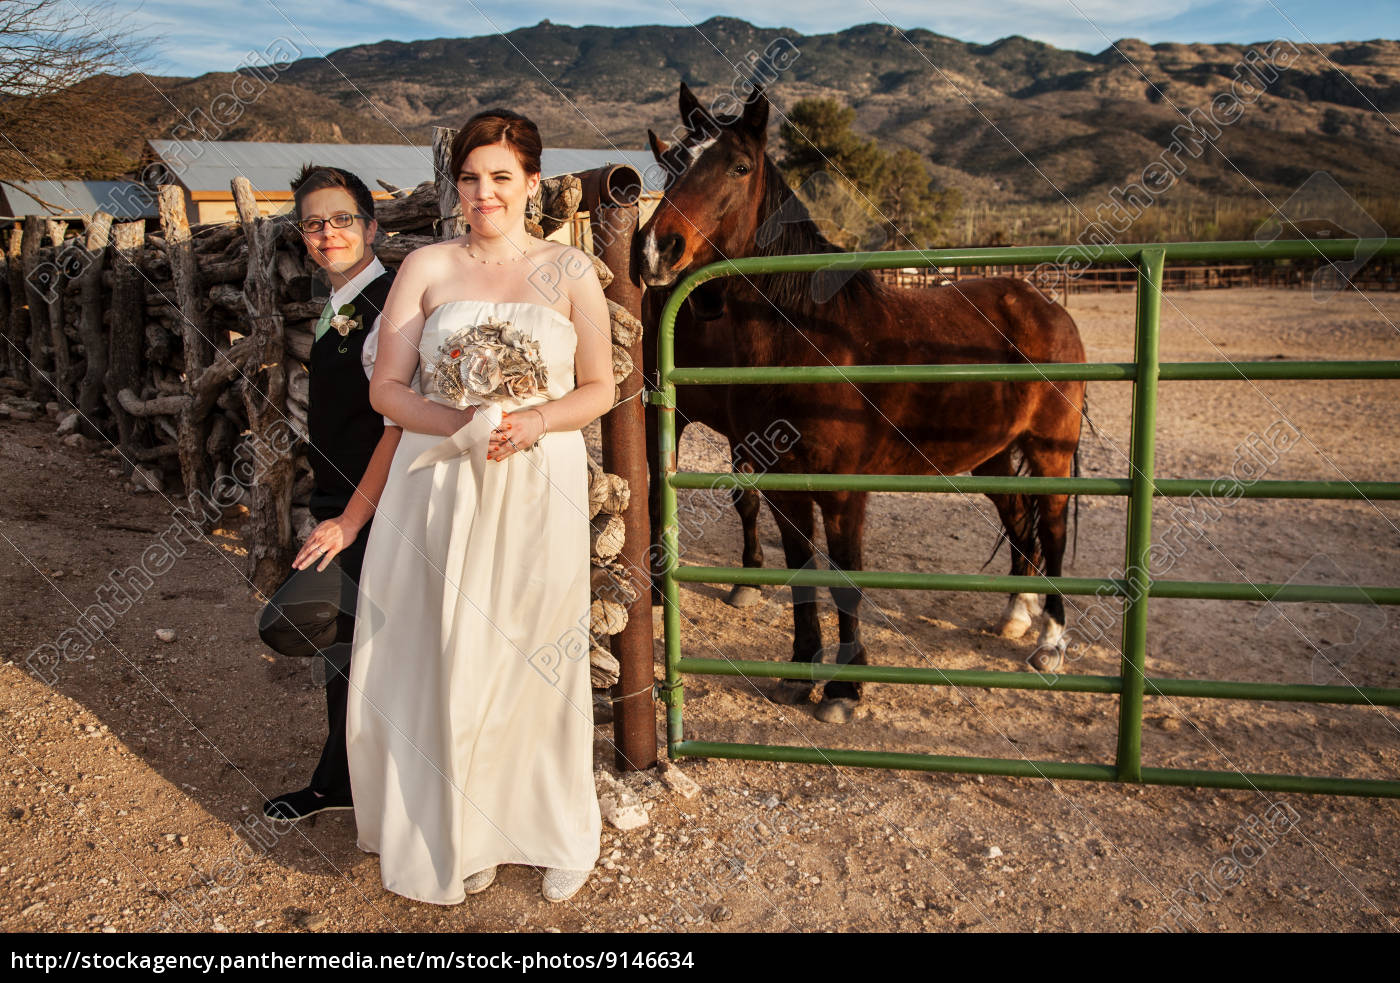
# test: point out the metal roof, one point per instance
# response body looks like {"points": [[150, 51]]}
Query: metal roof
{"points": [[207, 165], [121, 199]]}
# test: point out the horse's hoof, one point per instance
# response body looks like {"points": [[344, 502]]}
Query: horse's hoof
{"points": [[838, 710], [793, 692], [744, 596], [1047, 659], [1012, 628], [1018, 616]]}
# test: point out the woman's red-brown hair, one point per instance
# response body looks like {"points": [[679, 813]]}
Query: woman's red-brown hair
{"points": [[495, 126]]}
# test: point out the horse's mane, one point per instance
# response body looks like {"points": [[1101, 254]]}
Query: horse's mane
{"points": [[798, 234]]}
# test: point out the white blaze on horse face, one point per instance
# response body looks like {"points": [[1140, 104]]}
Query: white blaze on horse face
{"points": [[697, 149], [650, 254]]}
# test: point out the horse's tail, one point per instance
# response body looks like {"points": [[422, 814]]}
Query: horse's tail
{"points": [[1093, 427], [1074, 550], [1032, 516], [1084, 411], [996, 548]]}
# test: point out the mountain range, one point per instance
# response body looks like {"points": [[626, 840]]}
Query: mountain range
{"points": [[1016, 121]]}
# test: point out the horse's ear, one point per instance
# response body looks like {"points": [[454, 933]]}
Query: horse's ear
{"points": [[755, 118], [658, 146], [693, 114]]}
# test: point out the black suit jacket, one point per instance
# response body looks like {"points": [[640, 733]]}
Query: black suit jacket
{"points": [[344, 427]]}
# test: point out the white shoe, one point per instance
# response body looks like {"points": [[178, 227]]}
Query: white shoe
{"points": [[561, 885], [480, 881]]}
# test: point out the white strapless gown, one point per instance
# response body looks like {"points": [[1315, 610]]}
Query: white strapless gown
{"points": [[470, 718]]}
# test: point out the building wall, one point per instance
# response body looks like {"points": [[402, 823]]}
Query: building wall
{"points": [[223, 210]]}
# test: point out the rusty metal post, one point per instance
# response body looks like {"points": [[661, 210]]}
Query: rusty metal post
{"points": [[610, 197]]}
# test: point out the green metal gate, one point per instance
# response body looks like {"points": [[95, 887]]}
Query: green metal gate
{"points": [[1135, 588]]}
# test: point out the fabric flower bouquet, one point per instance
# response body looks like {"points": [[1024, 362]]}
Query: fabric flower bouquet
{"points": [[491, 361]]}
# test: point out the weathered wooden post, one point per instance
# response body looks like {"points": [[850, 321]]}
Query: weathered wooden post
{"points": [[19, 302], [194, 331], [450, 223], [9, 360], [265, 397], [36, 305], [55, 283], [127, 340], [610, 196], [94, 338]]}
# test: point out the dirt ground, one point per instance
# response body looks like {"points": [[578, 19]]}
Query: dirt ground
{"points": [[135, 774]]}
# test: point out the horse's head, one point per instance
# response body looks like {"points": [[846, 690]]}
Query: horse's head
{"points": [[714, 191]]}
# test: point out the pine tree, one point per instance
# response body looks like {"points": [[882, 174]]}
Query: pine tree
{"points": [[893, 202]]}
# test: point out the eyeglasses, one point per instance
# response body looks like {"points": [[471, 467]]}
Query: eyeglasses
{"points": [[343, 220]]}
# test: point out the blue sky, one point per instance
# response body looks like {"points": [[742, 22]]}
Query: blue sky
{"points": [[216, 35]]}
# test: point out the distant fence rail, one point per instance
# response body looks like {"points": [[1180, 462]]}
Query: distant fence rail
{"points": [[1381, 275]]}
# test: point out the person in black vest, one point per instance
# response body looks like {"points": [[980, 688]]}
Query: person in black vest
{"points": [[351, 447]]}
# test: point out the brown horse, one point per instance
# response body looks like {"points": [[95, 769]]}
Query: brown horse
{"points": [[703, 337], [722, 206], [707, 343]]}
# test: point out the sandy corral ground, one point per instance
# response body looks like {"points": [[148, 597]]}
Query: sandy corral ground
{"points": [[134, 775]]}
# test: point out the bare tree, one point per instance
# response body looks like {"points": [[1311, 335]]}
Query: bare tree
{"points": [[58, 63]]}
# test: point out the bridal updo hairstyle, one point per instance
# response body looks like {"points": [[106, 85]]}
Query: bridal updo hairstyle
{"points": [[498, 126]]}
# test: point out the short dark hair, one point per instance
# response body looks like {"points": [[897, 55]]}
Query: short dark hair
{"points": [[314, 177], [495, 126]]}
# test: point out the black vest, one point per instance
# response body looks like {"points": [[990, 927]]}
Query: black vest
{"points": [[344, 427]]}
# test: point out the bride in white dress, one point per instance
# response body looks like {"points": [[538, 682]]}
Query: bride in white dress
{"points": [[470, 723]]}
